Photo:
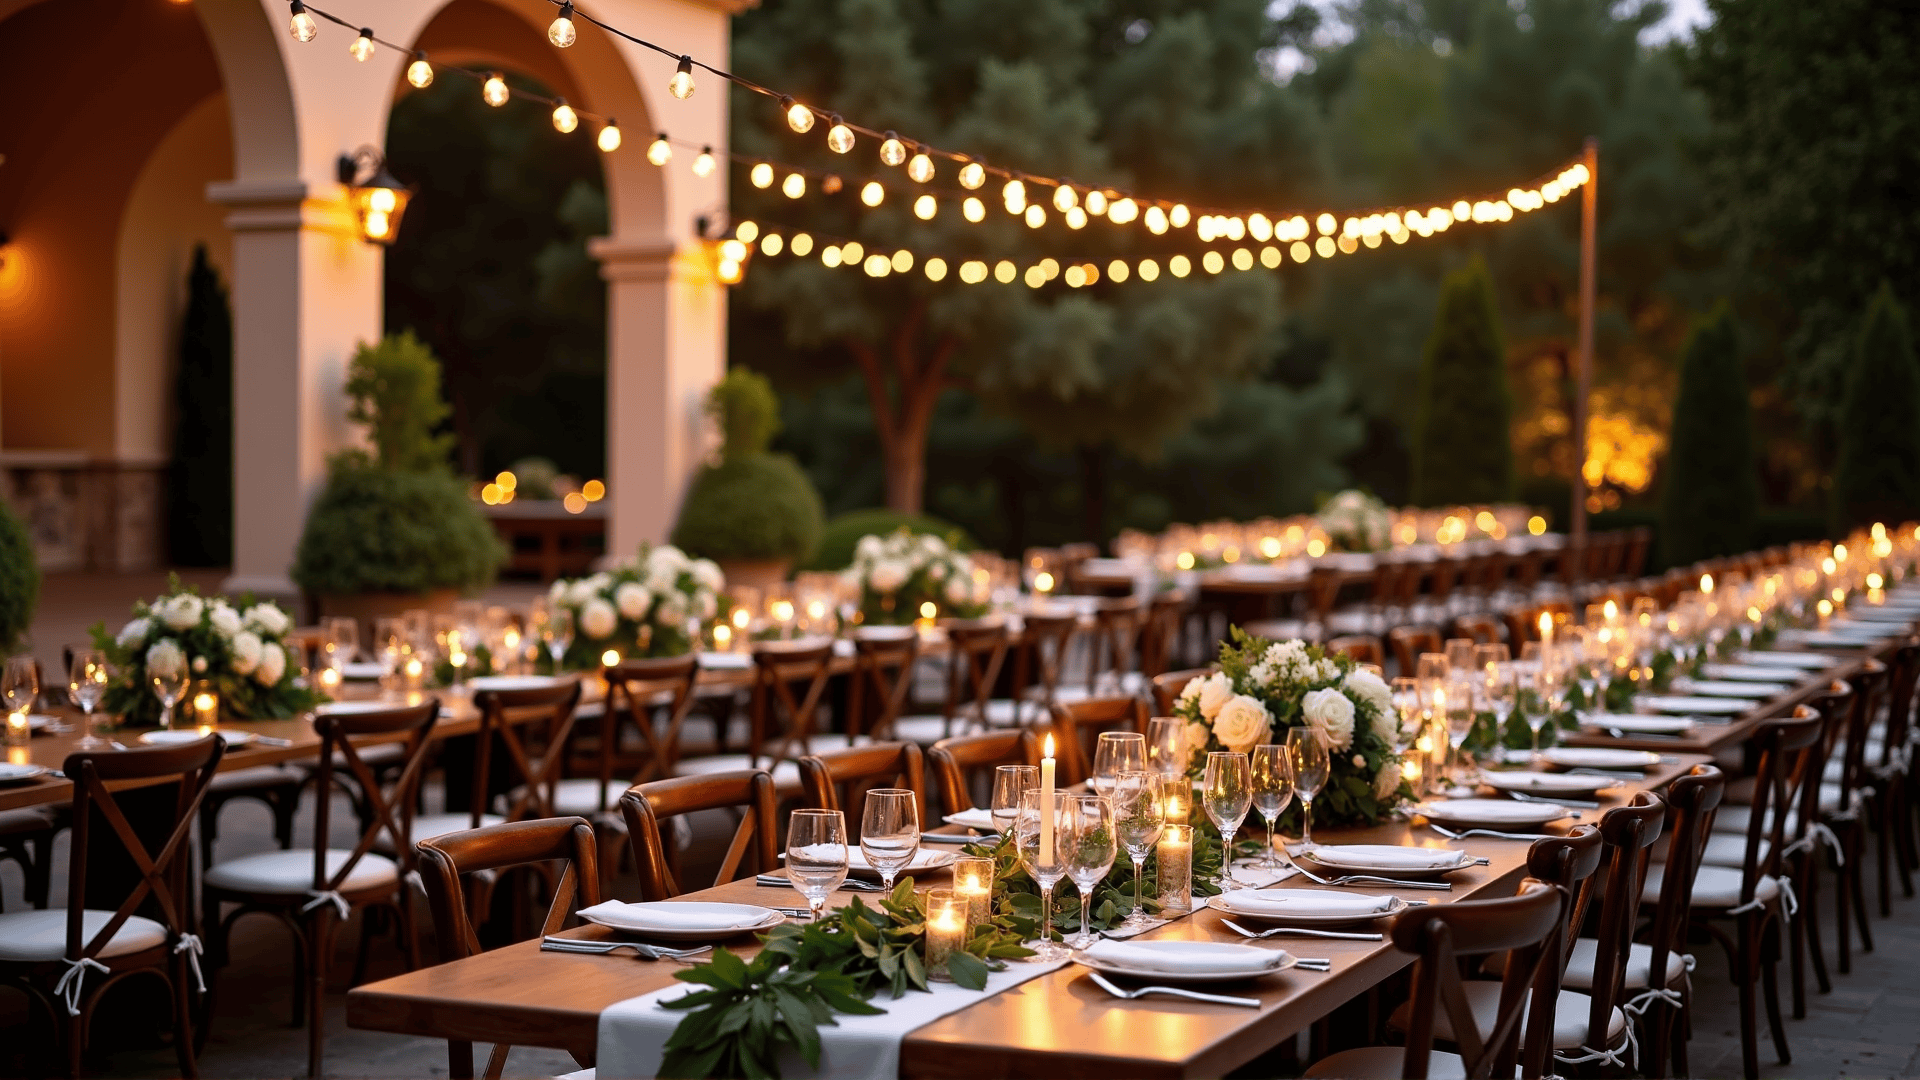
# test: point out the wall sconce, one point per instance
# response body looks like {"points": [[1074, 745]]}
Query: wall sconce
{"points": [[378, 199]]}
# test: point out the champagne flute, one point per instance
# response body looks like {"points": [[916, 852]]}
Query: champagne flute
{"points": [[1139, 816], [1226, 789], [169, 687], [890, 831], [1310, 765], [389, 643], [1167, 745], [1272, 789], [1044, 853], [1411, 709], [1008, 783], [87, 681], [816, 855], [1091, 855], [1115, 753]]}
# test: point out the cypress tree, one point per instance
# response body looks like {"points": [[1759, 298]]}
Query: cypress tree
{"points": [[1462, 450], [200, 498], [1711, 492], [1878, 475]]}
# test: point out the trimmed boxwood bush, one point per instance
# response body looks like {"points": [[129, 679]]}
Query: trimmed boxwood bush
{"points": [[1462, 450], [1878, 476], [19, 580], [844, 532], [750, 504], [1711, 493]]}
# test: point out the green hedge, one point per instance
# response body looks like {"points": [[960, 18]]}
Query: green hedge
{"points": [[413, 532], [1462, 447], [1710, 491], [760, 506], [1878, 475], [843, 532], [19, 580]]}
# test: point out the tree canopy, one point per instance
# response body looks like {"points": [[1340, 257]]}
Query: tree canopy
{"points": [[1710, 494]]}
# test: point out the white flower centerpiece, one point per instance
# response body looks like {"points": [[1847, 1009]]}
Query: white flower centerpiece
{"points": [[656, 604], [237, 649], [900, 574], [1356, 521], [1264, 688]]}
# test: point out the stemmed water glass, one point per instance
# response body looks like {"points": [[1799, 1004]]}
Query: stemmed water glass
{"points": [[557, 633], [890, 831], [1226, 790], [1139, 816], [87, 682], [1092, 854], [817, 855], [1115, 753], [1495, 665], [1046, 862], [1460, 716], [1009, 781], [1167, 745], [20, 685], [389, 644], [1272, 789], [1310, 764], [342, 641], [169, 687]]}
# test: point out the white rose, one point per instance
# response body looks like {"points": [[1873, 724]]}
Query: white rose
{"points": [[1242, 723], [598, 619], [1197, 736], [1387, 780], [1214, 694], [1373, 690], [246, 652], [672, 610], [632, 599], [224, 619], [887, 576], [868, 547], [1192, 689], [273, 664], [662, 578], [558, 593], [199, 665], [134, 633], [959, 590], [707, 607], [1331, 714], [182, 612], [165, 658], [707, 573], [582, 592], [268, 619]]}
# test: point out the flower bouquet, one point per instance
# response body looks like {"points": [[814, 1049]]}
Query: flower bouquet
{"points": [[653, 605], [238, 649], [1356, 521], [899, 575], [1264, 688]]}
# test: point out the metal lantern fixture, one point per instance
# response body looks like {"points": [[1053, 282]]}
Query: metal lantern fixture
{"points": [[378, 199]]}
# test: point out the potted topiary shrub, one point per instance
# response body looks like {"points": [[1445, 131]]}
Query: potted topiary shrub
{"points": [[394, 528], [753, 512], [19, 580]]}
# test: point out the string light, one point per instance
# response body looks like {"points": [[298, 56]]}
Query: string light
{"points": [[793, 186], [362, 46], [872, 193], [1064, 198], [973, 209], [761, 175], [565, 120], [920, 169], [925, 207], [609, 137], [681, 85], [799, 117], [560, 31], [704, 165], [659, 151], [839, 136], [892, 150], [420, 73], [301, 25], [494, 90], [972, 175]]}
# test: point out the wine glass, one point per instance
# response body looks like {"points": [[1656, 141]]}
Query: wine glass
{"points": [[1167, 745], [557, 634], [1494, 666], [389, 643], [1139, 816], [169, 687], [342, 642], [1411, 709], [20, 684], [87, 682], [1115, 753], [1460, 716], [890, 831], [1272, 789], [1226, 790], [1008, 782], [1310, 765], [817, 855], [1044, 836], [1460, 653], [1432, 667], [1091, 855]]}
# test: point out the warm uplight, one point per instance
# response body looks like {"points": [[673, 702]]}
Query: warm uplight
{"points": [[593, 490]]}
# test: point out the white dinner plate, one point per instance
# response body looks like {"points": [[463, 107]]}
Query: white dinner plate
{"points": [[1634, 724], [923, 860], [1381, 859], [683, 920], [726, 661], [349, 708], [1697, 706], [1882, 614], [1752, 673], [1804, 661], [20, 774], [40, 721], [1225, 902], [1198, 951], [514, 682], [1545, 783], [1598, 757], [1751, 689], [1494, 813], [975, 818], [363, 669], [182, 737]]}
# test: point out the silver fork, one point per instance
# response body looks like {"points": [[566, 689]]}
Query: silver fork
{"points": [[1195, 995], [650, 952], [1258, 935], [1522, 796], [1464, 833], [1369, 879]]}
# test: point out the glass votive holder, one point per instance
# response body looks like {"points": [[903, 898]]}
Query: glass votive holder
{"points": [[973, 883], [1175, 855], [18, 730], [946, 931]]}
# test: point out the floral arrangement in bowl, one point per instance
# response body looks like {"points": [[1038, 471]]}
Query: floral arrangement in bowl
{"points": [[1265, 688], [1356, 521], [655, 604], [238, 648], [900, 574]]}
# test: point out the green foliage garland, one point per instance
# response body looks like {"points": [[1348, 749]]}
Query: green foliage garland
{"points": [[1711, 491], [1461, 452], [19, 580], [1878, 477]]}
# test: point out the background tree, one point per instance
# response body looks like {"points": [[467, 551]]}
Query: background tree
{"points": [[19, 580], [1878, 475], [1464, 404], [200, 496], [1710, 493]]}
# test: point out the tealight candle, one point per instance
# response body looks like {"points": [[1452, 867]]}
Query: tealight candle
{"points": [[19, 755], [946, 930], [18, 731], [1175, 855], [329, 679], [973, 882]]}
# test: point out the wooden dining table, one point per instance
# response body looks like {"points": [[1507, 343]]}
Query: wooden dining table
{"points": [[1060, 1024]]}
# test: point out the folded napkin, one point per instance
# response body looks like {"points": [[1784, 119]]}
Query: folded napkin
{"points": [[1787, 659], [1187, 957], [1373, 855], [1761, 673], [1496, 811], [1716, 706], [975, 818], [1734, 688], [1284, 902], [725, 661], [1648, 725], [675, 915]]}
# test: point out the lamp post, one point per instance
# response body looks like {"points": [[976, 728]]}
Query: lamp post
{"points": [[378, 199], [1583, 356]]}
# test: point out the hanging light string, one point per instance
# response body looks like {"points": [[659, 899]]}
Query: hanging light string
{"points": [[1075, 202]]}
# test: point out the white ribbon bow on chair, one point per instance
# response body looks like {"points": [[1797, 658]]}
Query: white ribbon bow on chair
{"points": [[330, 896], [68, 988], [190, 944]]}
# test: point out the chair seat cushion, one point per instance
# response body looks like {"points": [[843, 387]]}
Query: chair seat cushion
{"points": [[786, 774], [1639, 965], [1385, 1063], [33, 821], [42, 935], [927, 730], [1569, 1016], [290, 873], [258, 778], [1713, 886], [1730, 849]]}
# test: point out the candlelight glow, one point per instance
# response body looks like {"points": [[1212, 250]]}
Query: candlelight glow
{"points": [[1048, 751], [610, 657], [1875, 581], [1706, 584]]}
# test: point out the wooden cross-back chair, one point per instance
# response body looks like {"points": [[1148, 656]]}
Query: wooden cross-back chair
{"points": [[1842, 806], [445, 862], [1691, 802], [1440, 937], [955, 761], [1078, 725], [1599, 965], [533, 727], [1363, 648], [840, 779], [310, 892], [1408, 642], [883, 660], [1891, 775], [1045, 639], [778, 667], [1483, 629], [977, 649], [66, 960], [1167, 685], [644, 684], [1115, 644], [1160, 636], [650, 806]]}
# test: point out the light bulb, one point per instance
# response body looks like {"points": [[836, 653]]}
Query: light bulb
{"points": [[1117, 270], [851, 252], [610, 137], [936, 269], [799, 117], [920, 169], [1180, 266], [1156, 220], [972, 175], [1213, 262], [872, 193], [839, 136], [973, 209], [801, 244], [1064, 198], [1179, 216], [659, 151], [1036, 216], [746, 230], [1326, 224], [362, 46], [1123, 211], [420, 73], [761, 175], [832, 184], [1096, 202], [494, 90], [1149, 270], [681, 85], [302, 25], [892, 150], [565, 120], [1014, 194], [876, 265], [902, 261], [560, 31], [925, 207], [771, 244], [793, 186], [1004, 271], [1076, 218], [704, 165], [1242, 259]]}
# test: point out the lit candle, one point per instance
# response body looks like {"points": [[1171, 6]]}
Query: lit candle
{"points": [[1546, 628], [19, 755], [18, 731], [722, 637], [329, 679], [1176, 868], [946, 931], [973, 882], [1178, 795], [1046, 805]]}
